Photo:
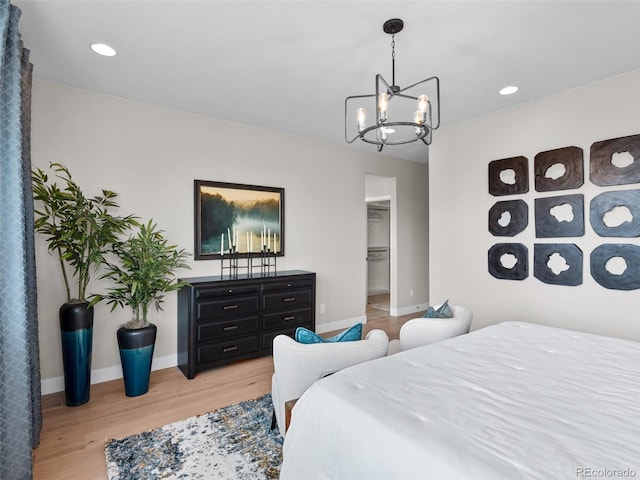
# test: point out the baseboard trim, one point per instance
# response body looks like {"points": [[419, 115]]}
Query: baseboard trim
{"points": [[340, 324], [399, 312], [99, 375]]}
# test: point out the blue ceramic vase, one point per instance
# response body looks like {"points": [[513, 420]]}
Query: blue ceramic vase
{"points": [[76, 331], [136, 353]]}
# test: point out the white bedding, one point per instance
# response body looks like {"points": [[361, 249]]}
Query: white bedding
{"points": [[510, 401]]}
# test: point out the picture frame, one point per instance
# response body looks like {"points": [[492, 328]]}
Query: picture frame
{"points": [[247, 218]]}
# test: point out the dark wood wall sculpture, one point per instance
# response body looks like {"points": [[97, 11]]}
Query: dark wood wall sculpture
{"points": [[614, 213], [627, 280], [521, 181], [603, 172], [572, 256], [548, 226], [606, 202], [572, 160], [519, 218], [519, 271]]}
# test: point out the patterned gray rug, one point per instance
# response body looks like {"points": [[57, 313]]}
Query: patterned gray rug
{"points": [[233, 443]]}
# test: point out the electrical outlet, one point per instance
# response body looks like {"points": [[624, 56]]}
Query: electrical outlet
{"points": [[411, 293], [322, 308]]}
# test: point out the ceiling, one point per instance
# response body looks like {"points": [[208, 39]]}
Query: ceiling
{"points": [[288, 65]]}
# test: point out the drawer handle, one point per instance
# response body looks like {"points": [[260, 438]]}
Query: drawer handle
{"points": [[291, 317], [229, 307], [230, 349], [230, 327], [289, 299]]}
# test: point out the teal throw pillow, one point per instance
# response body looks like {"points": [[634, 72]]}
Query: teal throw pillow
{"points": [[443, 311], [351, 334], [304, 335]]}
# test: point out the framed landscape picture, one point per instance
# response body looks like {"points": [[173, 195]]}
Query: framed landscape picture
{"points": [[247, 218]]}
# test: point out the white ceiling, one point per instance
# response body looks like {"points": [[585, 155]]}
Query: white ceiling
{"points": [[288, 65]]}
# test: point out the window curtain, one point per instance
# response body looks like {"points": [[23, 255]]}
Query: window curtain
{"points": [[20, 407]]}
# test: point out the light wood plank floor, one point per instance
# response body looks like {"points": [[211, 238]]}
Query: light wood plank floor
{"points": [[73, 438]]}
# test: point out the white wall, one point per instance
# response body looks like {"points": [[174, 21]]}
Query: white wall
{"points": [[460, 202], [151, 155]]}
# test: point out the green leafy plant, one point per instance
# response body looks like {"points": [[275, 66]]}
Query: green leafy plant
{"points": [[79, 230], [144, 272]]}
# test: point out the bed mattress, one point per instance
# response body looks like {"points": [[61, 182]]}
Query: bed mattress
{"points": [[510, 401]]}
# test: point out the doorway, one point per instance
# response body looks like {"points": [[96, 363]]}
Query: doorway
{"points": [[380, 194], [378, 259]]}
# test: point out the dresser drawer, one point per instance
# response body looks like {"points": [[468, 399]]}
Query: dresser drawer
{"points": [[286, 319], [212, 292], [228, 349], [286, 300], [209, 331], [287, 285], [267, 338], [224, 307]]}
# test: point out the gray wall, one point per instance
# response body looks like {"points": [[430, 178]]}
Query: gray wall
{"points": [[151, 155]]}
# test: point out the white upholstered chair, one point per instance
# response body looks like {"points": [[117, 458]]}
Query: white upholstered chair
{"points": [[423, 331], [297, 366]]}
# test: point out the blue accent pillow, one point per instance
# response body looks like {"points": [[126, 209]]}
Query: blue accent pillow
{"points": [[351, 334], [443, 311]]}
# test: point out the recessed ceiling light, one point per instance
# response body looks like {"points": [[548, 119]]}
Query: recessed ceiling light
{"points": [[509, 90], [103, 49]]}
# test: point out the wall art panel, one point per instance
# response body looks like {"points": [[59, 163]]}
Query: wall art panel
{"points": [[509, 176], [571, 163], [561, 216], [615, 161], [567, 270], [508, 261], [508, 218], [628, 278], [628, 202]]}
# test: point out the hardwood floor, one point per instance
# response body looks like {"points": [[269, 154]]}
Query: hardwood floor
{"points": [[378, 306], [73, 438]]}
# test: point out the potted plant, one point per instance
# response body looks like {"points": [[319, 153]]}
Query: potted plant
{"points": [[79, 230], [143, 273]]}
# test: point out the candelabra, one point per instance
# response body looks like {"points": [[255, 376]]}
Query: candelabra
{"points": [[230, 262], [267, 261]]}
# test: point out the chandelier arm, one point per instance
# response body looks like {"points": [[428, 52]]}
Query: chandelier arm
{"points": [[346, 102]]}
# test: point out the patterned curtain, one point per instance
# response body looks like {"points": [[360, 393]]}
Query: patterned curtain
{"points": [[20, 407]]}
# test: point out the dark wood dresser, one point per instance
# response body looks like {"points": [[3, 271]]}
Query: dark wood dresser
{"points": [[222, 319]]}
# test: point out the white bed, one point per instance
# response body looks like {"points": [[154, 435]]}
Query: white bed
{"points": [[511, 401]]}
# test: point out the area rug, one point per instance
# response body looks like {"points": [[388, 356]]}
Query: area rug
{"points": [[233, 443]]}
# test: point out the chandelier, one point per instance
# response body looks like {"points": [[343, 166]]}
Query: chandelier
{"points": [[403, 115]]}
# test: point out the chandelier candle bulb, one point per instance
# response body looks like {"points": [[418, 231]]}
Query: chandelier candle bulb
{"points": [[383, 104], [361, 116], [423, 103]]}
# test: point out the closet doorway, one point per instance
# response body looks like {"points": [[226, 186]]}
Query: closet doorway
{"points": [[380, 282], [378, 261]]}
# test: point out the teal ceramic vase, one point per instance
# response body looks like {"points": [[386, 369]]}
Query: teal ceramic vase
{"points": [[76, 329], [136, 353]]}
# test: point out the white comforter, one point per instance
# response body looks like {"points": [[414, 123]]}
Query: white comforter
{"points": [[510, 401]]}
